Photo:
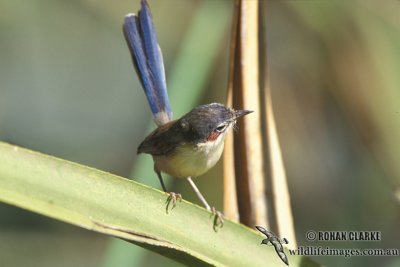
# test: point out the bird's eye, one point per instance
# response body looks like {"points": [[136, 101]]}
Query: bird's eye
{"points": [[221, 128]]}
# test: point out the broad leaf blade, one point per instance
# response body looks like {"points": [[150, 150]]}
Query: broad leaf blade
{"points": [[112, 205]]}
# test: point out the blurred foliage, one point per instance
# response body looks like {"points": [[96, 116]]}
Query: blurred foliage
{"points": [[67, 88]]}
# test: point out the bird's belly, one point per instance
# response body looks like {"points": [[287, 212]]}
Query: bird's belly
{"points": [[190, 160]]}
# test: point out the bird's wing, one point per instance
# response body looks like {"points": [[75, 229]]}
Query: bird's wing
{"points": [[161, 141], [279, 250], [265, 232], [274, 240]]}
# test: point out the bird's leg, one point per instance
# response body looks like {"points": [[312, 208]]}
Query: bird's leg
{"points": [[173, 197], [218, 216], [198, 193], [161, 179]]}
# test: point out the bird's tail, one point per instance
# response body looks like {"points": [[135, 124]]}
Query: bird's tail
{"points": [[147, 59]]}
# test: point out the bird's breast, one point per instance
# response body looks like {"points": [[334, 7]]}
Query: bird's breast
{"points": [[191, 159]]}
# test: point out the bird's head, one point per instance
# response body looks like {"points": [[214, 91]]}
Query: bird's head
{"points": [[265, 241], [207, 123]]}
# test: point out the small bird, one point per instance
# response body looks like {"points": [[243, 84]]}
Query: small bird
{"points": [[276, 242], [183, 148]]}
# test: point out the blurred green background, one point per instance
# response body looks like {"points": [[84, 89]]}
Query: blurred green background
{"points": [[67, 88]]}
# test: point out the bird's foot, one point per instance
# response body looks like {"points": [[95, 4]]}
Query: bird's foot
{"points": [[218, 219], [172, 199]]}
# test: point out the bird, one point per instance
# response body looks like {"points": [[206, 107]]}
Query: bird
{"points": [[276, 242], [186, 147]]}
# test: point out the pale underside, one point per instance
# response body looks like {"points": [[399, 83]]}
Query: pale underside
{"points": [[190, 159]]}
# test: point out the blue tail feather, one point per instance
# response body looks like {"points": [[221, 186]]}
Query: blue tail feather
{"points": [[147, 58]]}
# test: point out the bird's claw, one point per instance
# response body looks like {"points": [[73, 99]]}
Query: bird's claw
{"points": [[172, 199], [218, 219]]}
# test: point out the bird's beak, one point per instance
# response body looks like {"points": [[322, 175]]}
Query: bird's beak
{"points": [[241, 113]]}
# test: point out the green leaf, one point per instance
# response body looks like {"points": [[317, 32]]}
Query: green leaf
{"points": [[112, 205]]}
